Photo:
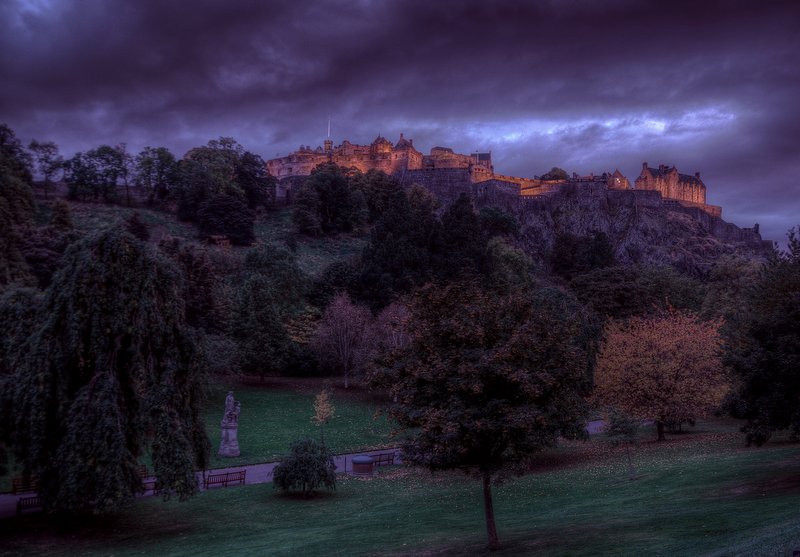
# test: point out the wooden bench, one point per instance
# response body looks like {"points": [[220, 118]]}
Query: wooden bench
{"points": [[28, 503], [383, 459], [24, 485], [148, 484], [224, 479]]}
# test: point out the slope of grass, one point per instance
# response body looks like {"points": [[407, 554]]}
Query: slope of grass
{"points": [[698, 495]]}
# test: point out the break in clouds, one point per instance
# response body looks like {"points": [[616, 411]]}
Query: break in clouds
{"points": [[587, 86]]}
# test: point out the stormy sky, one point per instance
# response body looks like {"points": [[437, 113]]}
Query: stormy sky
{"points": [[709, 86]]}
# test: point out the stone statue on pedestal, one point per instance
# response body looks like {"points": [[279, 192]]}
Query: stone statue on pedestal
{"points": [[229, 444]]}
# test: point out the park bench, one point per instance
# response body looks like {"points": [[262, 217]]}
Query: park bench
{"points": [[383, 459], [28, 503], [24, 485], [225, 479], [148, 483]]}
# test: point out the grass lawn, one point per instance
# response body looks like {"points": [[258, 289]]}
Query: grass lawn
{"points": [[698, 494], [278, 413]]}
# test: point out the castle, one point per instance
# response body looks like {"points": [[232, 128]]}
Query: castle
{"points": [[444, 172], [379, 155]]}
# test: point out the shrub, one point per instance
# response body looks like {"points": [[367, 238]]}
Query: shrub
{"points": [[309, 465], [226, 215]]}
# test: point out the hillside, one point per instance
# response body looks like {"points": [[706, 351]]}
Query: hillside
{"points": [[642, 227]]}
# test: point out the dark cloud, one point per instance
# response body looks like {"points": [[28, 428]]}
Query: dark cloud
{"points": [[710, 86]]}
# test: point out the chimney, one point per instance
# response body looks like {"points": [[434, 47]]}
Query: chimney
{"points": [[697, 175], [644, 166]]}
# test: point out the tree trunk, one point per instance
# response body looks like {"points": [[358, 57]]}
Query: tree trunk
{"points": [[488, 509], [660, 429], [346, 377]]}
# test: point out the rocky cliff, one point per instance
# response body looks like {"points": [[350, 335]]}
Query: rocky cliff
{"points": [[642, 226]]}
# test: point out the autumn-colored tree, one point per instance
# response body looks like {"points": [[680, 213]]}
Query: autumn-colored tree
{"points": [[341, 338], [665, 368], [489, 379], [324, 411]]}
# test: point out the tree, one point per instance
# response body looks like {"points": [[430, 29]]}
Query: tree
{"points": [[341, 338], [222, 167], [155, 172], [96, 173], [48, 161], [765, 351], [280, 267], [377, 188], [621, 429], [258, 328], [400, 254], [335, 205], [258, 185], [621, 291], [497, 222], [573, 255], [199, 283], [308, 466], [487, 380], [16, 207], [109, 373], [324, 411], [226, 215], [555, 173], [665, 368], [462, 248]]}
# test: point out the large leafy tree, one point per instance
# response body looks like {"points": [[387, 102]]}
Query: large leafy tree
{"points": [[108, 374], [328, 202], [765, 351], [48, 161], [400, 253], [665, 368], [488, 380], [156, 172], [95, 174], [264, 345], [16, 206], [222, 167]]}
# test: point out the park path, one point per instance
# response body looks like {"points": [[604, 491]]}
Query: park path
{"points": [[262, 473], [256, 474]]}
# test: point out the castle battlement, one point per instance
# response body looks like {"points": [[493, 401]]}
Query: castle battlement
{"points": [[381, 154], [443, 171]]}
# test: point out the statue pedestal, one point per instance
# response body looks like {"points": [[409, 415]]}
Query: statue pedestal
{"points": [[229, 445]]}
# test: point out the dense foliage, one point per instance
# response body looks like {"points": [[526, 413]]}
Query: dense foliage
{"points": [[487, 380], [766, 353], [226, 216], [328, 202], [109, 373], [665, 368], [308, 466]]}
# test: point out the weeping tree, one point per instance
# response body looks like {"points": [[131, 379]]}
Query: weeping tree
{"points": [[109, 373]]}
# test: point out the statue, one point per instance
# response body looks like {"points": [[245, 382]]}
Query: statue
{"points": [[229, 443]]}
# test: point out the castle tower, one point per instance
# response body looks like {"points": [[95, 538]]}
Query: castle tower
{"points": [[328, 143]]}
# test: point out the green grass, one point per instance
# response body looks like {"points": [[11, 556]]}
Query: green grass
{"points": [[274, 416], [699, 494], [313, 253]]}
